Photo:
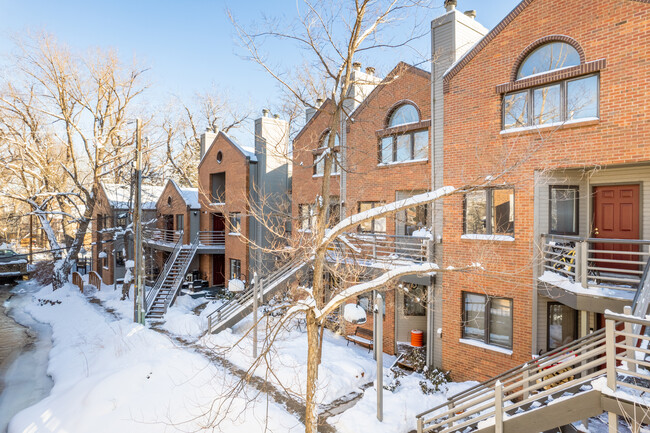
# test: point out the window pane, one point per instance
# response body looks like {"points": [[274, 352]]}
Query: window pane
{"points": [[515, 109], [403, 147], [380, 225], [561, 325], [387, 150], [546, 105], [407, 113], [474, 316], [501, 322], [475, 211], [549, 57], [421, 145], [414, 300], [365, 226], [503, 211], [564, 210], [582, 98]]}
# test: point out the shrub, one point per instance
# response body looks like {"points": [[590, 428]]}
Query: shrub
{"points": [[43, 271]]}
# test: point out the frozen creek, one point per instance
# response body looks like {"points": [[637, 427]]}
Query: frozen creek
{"points": [[23, 370]]}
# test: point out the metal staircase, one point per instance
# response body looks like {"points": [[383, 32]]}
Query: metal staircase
{"points": [[522, 399], [241, 306], [169, 281]]}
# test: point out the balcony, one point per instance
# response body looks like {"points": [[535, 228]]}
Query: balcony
{"points": [[381, 250], [212, 242], [161, 239], [592, 274]]}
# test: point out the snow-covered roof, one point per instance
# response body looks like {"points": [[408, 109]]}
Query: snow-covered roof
{"points": [[119, 195], [189, 195]]}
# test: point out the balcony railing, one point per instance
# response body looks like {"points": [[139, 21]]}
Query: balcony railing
{"points": [[596, 262], [162, 236], [386, 248], [212, 239]]}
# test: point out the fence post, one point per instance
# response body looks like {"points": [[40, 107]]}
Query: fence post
{"points": [[498, 407], [629, 341], [582, 262], [610, 352], [450, 407], [420, 424], [210, 323]]}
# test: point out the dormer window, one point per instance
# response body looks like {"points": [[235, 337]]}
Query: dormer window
{"points": [[542, 95], [547, 58], [407, 140]]}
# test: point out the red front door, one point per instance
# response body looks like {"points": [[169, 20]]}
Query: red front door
{"points": [[218, 269], [616, 216], [218, 222]]}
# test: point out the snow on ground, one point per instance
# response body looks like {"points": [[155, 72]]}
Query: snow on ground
{"points": [[117, 376], [343, 369], [400, 407]]}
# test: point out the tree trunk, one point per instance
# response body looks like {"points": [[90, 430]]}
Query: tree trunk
{"points": [[311, 414]]}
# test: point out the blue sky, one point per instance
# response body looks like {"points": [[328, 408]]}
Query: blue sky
{"points": [[189, 45]]}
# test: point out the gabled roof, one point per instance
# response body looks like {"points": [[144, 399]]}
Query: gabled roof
{"points": [[313, 118], [119, 195], [244, 150], [401, 66], [481, 43], [189, 195]]}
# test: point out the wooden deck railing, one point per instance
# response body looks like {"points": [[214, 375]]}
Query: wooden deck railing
{"points": [[387, 248], [595, 262], [564, 370], [78, 281], [95, 280]]}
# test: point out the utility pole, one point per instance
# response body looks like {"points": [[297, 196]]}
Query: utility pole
{"points": [[379, 344], [138, 295]]}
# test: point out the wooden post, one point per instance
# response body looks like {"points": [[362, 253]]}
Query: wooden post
{"points": [[526, 373], [31, 238], [612, 421], [610, 352], [420, 424], [583, 262], [450, 408], [498, 407], [629, 341]]}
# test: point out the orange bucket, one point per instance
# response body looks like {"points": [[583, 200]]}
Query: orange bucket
{"points": [[417, 338]]}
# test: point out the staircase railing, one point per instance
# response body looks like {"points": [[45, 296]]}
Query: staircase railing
{"points": [[564, 369], [224, 311], [151, 294], [178, 280], [212, 238]]}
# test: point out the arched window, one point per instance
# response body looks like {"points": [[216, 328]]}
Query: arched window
{"points": [[551, 100], [403, 115], [319, 156], [409, 143], [548, 57]]}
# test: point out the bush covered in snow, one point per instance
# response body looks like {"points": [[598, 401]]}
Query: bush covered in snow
{"points": [[43, 272], [433, 377]]}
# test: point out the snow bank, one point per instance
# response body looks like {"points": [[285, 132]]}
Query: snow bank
{"points": [[117, 376], [400, 407], [354, 313], [343, 369]]}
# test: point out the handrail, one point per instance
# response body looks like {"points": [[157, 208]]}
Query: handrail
{"points": [[212, 238], [153, 293], [379, 246], [225, 310], [181, 274], [162, 235], [580, 261], [579, 362]]}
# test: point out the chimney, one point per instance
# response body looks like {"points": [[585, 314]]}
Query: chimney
{"points": [[450, 5], [471, 13], [370, 71], [356, 66], [206, 140], [309, 111], [276, 116], [265, 112]]}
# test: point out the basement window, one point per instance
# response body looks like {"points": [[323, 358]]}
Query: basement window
{"points": [[487, 319]]}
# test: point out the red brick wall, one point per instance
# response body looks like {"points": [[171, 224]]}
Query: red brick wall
{"points": [[102, 207], [615, 30], [236, 167], [178, 206]]}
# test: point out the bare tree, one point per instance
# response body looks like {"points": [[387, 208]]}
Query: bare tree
{"points": [[332, 36], [77, 107]]}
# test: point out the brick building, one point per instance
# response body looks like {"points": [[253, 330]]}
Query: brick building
{"points": [[111, 215], [545, 114], [236, 185]]}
